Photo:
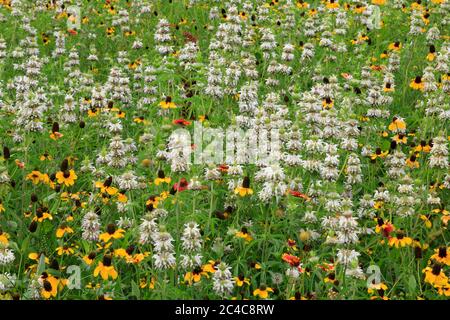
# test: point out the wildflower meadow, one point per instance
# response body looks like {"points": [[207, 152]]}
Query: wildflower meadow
{"points": [[224, 150]]}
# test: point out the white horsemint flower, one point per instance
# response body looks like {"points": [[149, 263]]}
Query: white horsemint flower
{"points": [[147, 228], [163, 38], [191, 237], [164, 250], [90, 226], [6, 255], [223, 282], [439, 153]]}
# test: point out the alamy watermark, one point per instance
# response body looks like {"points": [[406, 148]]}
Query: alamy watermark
{"points": [[230, 145], [74, 18]]}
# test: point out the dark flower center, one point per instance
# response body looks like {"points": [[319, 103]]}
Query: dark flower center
{"points": [[47, 286], [107, 260], [246, 182], [436, 269], [111, 228]]}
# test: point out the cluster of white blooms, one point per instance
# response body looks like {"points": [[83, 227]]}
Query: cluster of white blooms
{"points": [[149, 88], [120, 153], [192, 243], [7, 281], [147, 228], [6, 254], [118, 87], [164, 252], [128, 181], [163, 38], [179, 152], [60, 44], [395, 162], [188, 56], [90, 225], [353, 170], [223, 282], [273, 179], [72, 66], [439, 153], [2, 49], [68, 114], [407, 197]]}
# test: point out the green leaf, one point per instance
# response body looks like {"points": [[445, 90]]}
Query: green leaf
{"points": [[135, 289], [41, 264], [412, 284]]}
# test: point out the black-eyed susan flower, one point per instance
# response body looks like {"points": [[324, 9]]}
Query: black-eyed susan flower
{"points": [[241, 280], [400, 240], [89, 258], [45, 38], [417, 83], [106, 269], [397, 124], [423, 147], [167, 103], [65, 250], [210, 266], [105, 187], [49, 285], [379, 289], [442, 255], [37, 256], [444, 290], [45, 156], [332, 5], [412, 162], [111, 233], [400, 138], [66, 177], [110, 31], [297, 296], [34, 176], [331, 278], [432, 53], [162, 178], [435, 276], [93, 112], [254, 265], [4, 237], [62, 230], [327, 103], [378, 154], [2, 207], [195, 275], [395, 46], [244, 234], [55, 134], [262, 292], [152, 202], [244, 189], [388, 87], [42, 214], [122, 197]]}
